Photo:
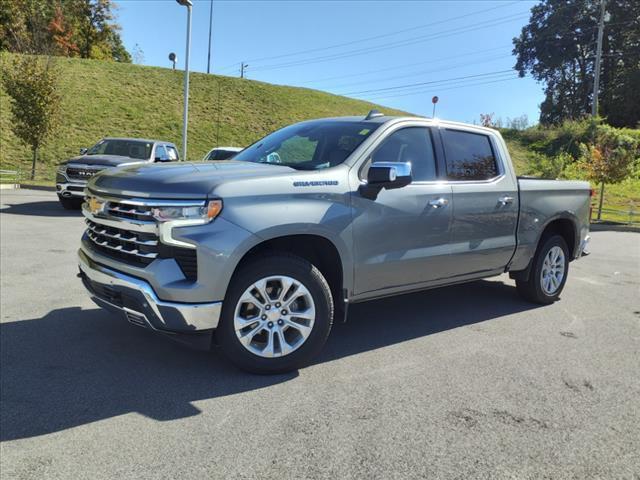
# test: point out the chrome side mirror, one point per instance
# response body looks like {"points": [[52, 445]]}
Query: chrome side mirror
{"points": [[389, 175], [83, 151]]}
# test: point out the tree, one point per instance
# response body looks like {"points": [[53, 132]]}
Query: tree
{"points": [[62, 27], [35, 101], [557, 47], [62, 35], [609, 158]]}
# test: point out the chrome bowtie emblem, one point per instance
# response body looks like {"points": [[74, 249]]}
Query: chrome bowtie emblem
{"points": [[95, 205]]}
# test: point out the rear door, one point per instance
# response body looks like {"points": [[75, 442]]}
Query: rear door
{"points": [[485, 201]]}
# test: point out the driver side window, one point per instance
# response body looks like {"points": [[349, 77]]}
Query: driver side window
{"points": [[413, 145]]}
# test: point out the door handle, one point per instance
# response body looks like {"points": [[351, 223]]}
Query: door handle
{"points": [[505, 200], [439, 202]]}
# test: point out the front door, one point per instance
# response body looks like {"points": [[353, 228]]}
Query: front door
{"points": [[401, 237]]}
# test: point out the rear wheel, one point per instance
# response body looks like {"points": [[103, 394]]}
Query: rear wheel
{"points": [[548, 273], [70, 203], [276, 316]]}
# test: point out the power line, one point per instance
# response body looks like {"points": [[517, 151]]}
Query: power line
{"points": [[409, 85], [336, 77], [439, 86], [422, 91], [384, 35], [422, 72], [386, 69], [402, 43]]}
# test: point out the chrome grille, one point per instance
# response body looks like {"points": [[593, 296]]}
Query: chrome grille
{"points": [[126, 230], [140, 246], [82, 173], [132, 212]]}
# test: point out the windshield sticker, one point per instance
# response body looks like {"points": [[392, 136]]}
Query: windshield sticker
{"points": [[316, 183], [364, 131]]}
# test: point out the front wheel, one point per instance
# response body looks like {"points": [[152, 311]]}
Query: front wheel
{"points": [[276, 316], [548, 273]]}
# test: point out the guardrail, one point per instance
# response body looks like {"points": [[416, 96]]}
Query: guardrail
{"points": [[10, 176], [628, 217]]}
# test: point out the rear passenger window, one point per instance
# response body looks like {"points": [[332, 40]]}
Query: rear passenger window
{"points": [[469, 156], [413, 145]]}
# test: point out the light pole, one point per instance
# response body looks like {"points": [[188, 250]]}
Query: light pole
{"points": [[210, 26], [596, 79], [185, 119]]}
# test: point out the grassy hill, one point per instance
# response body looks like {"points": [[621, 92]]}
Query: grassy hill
{"points": [[114, 99]]}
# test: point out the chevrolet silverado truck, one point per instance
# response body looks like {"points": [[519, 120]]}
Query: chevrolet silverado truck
{"points": [[260, 254], [72, 175]]}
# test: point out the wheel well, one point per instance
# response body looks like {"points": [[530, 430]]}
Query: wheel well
{"points": [[566, 229], [317, 250]]}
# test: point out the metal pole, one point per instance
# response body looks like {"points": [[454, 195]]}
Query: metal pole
{"points": [[596, 80], [433, 115], [210, 26], [186, 87]]}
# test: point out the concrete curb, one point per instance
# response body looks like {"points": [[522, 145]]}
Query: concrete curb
{"points": [[38, 187], [613, 227]]}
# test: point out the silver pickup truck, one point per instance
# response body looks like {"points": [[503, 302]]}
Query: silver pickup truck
{"points": [[259, 255], [72, 175]]}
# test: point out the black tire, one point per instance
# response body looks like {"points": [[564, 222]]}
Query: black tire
{"points": [[532, 288], [273, 265], [70, 203]]}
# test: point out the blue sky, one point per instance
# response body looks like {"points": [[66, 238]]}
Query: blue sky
{"points": [[398, 53]]}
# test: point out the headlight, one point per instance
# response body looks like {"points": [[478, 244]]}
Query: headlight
{"points": [[172, 216], [62, 168], [193, 215]]}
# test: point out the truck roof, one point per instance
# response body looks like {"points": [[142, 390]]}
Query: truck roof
{"points": [[394, 118], [132, 139]]}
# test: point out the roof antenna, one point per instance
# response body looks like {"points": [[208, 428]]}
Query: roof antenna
{"points": [[374, 114]]}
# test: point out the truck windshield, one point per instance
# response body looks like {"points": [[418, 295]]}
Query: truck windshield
{"points": [[123, 148], [310, 145]]}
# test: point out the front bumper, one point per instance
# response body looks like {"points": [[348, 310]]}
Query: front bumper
{"points": [[583, 252], [138, 303], [71, 189]]}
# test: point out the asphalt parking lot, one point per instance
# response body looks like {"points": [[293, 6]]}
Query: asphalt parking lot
{"points": [[464, 382]]}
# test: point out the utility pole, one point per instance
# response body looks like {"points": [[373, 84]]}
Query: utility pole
{"points": [[243, 67], [210, 26], [185, 118], [596, 79]]}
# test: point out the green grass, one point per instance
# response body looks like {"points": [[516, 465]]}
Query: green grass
{"points": [[113, 99], [624, 197]]}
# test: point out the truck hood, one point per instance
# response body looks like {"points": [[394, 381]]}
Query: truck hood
{"points": [[106, 160], [180, 179]]}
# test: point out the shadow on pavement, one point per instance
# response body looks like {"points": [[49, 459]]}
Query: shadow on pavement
{"points": [[40, 209], [73, 367]]}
